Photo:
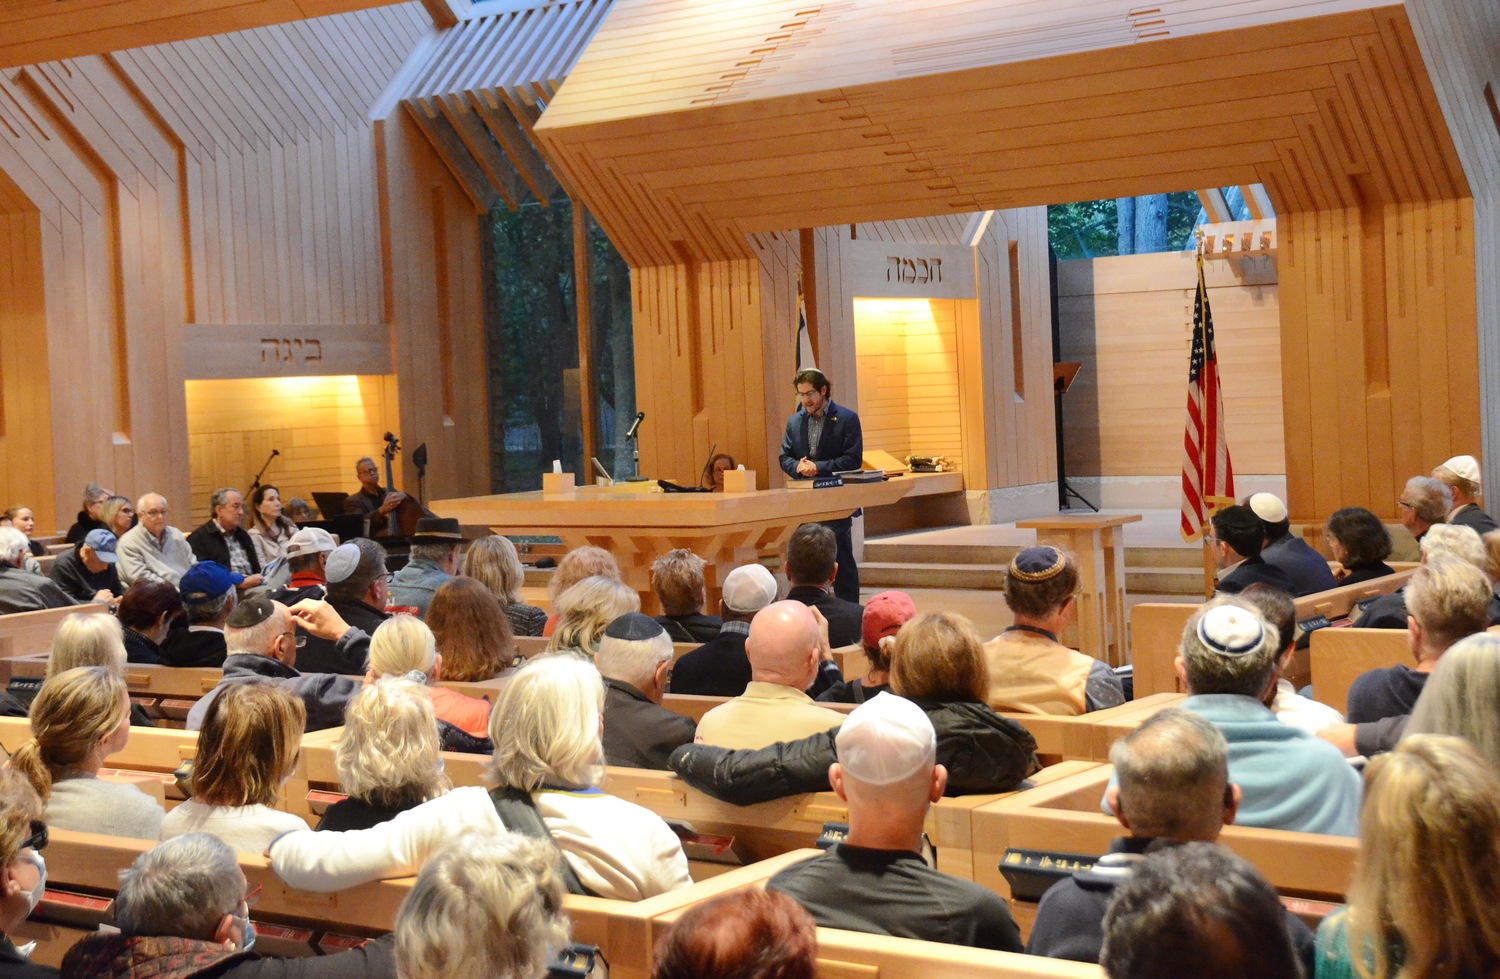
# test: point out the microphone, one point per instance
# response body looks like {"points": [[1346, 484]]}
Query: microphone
{"points": [[389, 437], [275, 452], [635, 426]]}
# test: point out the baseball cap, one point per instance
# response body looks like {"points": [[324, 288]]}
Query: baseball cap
{"points": [[886, 740], [102, 543], [885, 614], [749, 588], [1268, 507], [207, 579], [310, 540]]}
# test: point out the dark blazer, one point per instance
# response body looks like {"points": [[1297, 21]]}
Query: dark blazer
{"points": [[1469, 515], [690, 628], [638, 733], [846, 620], [324, 656], [1305, 566], [841, 447], [208, 545], [184, 647], [1251, 571], [1358, 576], [718, 668]]}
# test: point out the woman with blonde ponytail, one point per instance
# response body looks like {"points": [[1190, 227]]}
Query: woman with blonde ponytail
{"points": [[79, 718]]}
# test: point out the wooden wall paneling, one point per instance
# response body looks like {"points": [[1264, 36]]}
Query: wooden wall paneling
{"points": [[1454, 284], [781, 263], [996, 365], [25, 434]]}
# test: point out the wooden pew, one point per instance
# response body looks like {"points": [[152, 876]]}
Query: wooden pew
{"points": [[625, 930], [27, 633], [1341, 655], [1156, 629], [1064, 816], [851, 659]]}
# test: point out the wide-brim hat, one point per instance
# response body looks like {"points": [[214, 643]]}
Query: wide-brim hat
{"points": [[438, 530]]}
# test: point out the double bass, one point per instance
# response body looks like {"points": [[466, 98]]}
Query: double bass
{"points": [[402, 521]]}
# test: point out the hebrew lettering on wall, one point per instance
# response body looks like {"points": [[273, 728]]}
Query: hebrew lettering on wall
{"points": [[290, 350], [917, 271]]}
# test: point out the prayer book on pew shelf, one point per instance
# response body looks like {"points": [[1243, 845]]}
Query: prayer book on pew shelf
{"points": [[1031, 872]]}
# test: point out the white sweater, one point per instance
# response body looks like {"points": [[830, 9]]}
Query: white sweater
{"points": [[248, 829], [141, 560], [618, 849]]}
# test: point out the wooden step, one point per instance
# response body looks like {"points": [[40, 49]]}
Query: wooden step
{"points": [[890, 574]]}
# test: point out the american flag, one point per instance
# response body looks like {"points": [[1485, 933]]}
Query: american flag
{"points": [[1207, 475]]}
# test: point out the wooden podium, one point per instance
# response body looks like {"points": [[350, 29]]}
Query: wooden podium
{"points": [[1097, 543], [725, 529]]}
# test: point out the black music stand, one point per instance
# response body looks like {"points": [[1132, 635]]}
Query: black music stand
{"points": [[1063, 376]]}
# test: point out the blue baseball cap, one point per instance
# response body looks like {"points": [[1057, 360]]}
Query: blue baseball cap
{"points": [[102, 543], [205, 580]]}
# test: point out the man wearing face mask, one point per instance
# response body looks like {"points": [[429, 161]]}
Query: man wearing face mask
{"points": [[183, 911], [25, 877]]}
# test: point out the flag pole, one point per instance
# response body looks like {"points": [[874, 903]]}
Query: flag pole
{"points": [[1210, 568]]}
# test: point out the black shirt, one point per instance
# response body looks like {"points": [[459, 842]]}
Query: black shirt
{"points": [[690, 628], [79, 583], [1387, 692], [354, 813], [639, 733], [846, 620], [187, 648], [894, 892], [718, 668]]}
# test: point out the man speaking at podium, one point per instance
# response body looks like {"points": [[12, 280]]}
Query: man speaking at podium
{"points": [[823, 438]]}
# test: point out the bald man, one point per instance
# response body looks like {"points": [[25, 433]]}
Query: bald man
{"points": [[784, 648]]}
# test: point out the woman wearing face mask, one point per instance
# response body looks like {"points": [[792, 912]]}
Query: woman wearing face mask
{"points": [[146, 612], [247, 748], [22, 834]]}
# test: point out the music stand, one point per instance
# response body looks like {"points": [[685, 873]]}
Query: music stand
{"points": [[1063, 375]]}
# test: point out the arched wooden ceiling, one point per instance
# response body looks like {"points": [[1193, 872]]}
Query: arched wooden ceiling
{"points": [[688, 126]]}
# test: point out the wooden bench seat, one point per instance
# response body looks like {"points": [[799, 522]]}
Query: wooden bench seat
{"points": [[28, 633]]}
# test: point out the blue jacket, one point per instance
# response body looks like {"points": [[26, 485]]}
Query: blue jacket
{"points": [[1305, 566], [416, 583], [841, 447]]}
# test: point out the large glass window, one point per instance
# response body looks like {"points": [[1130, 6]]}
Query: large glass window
{"points": [[613, 353]]}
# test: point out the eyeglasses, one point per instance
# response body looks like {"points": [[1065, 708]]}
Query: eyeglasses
{"points": [[252, 896], [1405, 504], [38, 838], [297, 639], [154, 513]]}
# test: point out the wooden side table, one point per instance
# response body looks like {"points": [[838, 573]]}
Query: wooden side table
{"points": [[1097, 543]]}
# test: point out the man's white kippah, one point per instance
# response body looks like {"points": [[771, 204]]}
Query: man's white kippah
{"points": [[1268, 507], [1464, 467], [749, 588], [1230, 630], [341, 563], [886, 740]]}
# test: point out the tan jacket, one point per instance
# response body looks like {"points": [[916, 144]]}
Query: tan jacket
{"points": [[763, 715], [1034, 675]]}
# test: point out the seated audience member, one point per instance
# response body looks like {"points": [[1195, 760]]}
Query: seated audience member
{"points": [[1197, 910], [876, 880], [388, 758], [1462, 698], [270, 529], [1492, 558], [94, 496], [183, 913], [713, 473], [749, 934], [493, 562], [1424, 503], [545, 726], [23, 519], [306, 552], [1425, 898], [1030, 671], [885, 614], [298, 511], [811, 566], [262, 648], [576, 565], [1461, 475], [719, 667], [1448, 600], [87, 572], [248, 747], [1174, 788], [358, 585], [154, 550], [1289, 779], [403, 649], [472, 630], [146, 613], [1290, 707], [1360, 542], [784, 649], [1461, 543], [87, 640], [79, 718], [435, 553], [677, 580], [938, 664], [22, 590], [118, 516], [22, 837], [1306, 568], [223, 540], [1235, 545], [635, 659], [371, 499], [209, 598], [584, 611], [483, 908]]}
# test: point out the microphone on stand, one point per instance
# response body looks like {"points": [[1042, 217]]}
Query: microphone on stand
{"points": [[635, 426]]}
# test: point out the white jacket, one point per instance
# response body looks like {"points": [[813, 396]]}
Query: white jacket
{"points": [[141, 560], [618, 849]]}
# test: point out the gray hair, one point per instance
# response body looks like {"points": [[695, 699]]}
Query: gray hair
{"points": [[92, 492], [13, 544], [209, 609], [371, 565], [1462, 697], [436, 553], [1449, 598], [182, 888], [142, 506], [254, 640], [1209, 671], [1430, 499], [1454, 540], [1172, 771], [362, 460], [219, 497], [87, 639], [633, 660]]}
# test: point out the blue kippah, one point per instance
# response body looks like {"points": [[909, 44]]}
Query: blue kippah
{"points": [[634, 626], [1038, 563]]}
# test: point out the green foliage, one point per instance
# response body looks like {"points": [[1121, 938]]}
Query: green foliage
{"points": [[1090, 229]]}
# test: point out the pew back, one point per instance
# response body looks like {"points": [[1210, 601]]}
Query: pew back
{"points": [[28, 633], [1339, 656]]}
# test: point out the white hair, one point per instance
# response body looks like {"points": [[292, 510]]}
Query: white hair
{"points": [[87, 639], [13, 544], [1454, 540], [254, 640], [633, 660]]}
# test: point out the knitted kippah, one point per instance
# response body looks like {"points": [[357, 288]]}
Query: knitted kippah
{"points": [[1231, 631], [1038, 563], [633, 627]]}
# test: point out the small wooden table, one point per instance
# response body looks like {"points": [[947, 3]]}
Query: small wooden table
{"points": [[1097, 543], [725, 529]]}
